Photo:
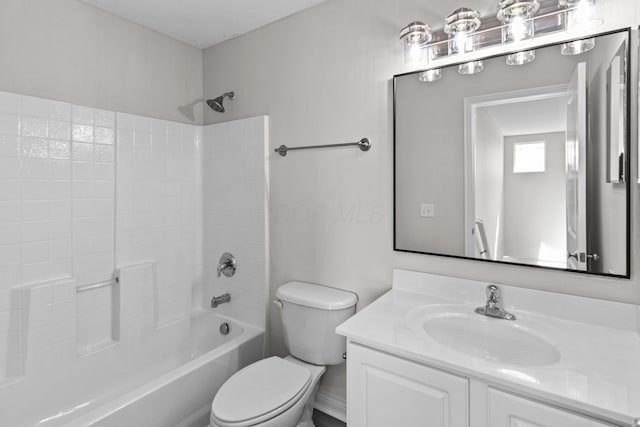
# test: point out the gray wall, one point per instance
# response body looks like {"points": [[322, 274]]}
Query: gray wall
{"points": [[69, 51], [535, 211]]}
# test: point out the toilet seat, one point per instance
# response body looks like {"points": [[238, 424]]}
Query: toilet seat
{"points": [[259, 392]]}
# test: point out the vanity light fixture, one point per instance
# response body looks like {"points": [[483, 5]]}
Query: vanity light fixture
{"points": [[518, 25], [516, 21], [414, 37], [580, 15], [460, 26]]}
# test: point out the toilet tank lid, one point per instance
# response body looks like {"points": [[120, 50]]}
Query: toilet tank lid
{"points": [[316, 296]]}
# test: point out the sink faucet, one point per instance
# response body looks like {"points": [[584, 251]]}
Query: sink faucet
{"points": [[494, 305], [216, 301]]}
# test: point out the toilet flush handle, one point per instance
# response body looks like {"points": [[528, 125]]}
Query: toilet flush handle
{"points": [[278, 303]]}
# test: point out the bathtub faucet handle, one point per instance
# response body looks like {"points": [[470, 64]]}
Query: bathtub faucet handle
{"points": [[227, 265]]}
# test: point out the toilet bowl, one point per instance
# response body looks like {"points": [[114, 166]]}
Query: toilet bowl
{"points": [[280, 392], [269, 393]]}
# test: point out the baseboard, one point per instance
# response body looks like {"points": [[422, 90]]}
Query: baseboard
{"points": [[331, 404]]}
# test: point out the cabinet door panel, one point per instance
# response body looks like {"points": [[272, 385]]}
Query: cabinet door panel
{"points": [[506, 410], [389, 391]]}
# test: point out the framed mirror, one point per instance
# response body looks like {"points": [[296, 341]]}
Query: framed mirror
{"points": [[520, 164]]}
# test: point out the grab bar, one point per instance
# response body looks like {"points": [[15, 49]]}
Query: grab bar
{"points": [[92, 286], [364, 144], [481, 239]]}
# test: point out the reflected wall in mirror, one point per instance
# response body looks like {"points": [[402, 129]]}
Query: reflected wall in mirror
{"points": [[518, 164]]}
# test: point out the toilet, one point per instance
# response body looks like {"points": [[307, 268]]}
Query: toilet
{"points": [[280, 392]]}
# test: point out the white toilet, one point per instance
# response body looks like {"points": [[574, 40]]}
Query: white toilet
{"points": [[277, 392]]}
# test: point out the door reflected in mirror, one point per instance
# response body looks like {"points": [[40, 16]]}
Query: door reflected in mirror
{"points": [[518, 164]]}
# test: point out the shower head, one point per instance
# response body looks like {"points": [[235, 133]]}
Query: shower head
{"points": [[216, 104]]}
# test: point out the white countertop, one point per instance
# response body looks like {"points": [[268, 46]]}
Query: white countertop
{"points": [[599, 369]]}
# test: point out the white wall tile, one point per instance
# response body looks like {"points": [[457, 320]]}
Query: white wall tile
{"points": [[10, 103], [9, 145], [155, 192], [9, 124], [234, 186]]}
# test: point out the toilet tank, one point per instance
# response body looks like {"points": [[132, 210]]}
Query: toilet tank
{"points": [[310, 315]]}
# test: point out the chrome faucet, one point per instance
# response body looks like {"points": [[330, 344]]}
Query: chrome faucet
{"points": [[494, 308], [222, 299], [227, 265]]}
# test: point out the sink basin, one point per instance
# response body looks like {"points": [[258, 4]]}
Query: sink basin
{"points": [[493, 339]]}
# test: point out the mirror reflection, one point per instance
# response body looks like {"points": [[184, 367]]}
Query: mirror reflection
{"points": [[518, 164]]}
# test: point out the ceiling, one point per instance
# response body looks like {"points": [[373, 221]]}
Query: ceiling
{"points": [[203, 23], [531, 117]]}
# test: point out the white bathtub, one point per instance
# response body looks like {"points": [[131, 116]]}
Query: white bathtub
{"points": [[166, 379]]}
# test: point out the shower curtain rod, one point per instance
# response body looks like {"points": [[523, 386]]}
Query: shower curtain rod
{"points": [[364, 144]]}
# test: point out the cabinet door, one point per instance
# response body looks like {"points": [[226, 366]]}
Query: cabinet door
{"points": [[506, 410], [387, 391]]}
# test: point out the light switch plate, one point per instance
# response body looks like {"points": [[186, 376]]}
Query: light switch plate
{"points": [[427, 210]]}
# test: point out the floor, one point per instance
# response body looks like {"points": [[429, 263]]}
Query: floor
{"points": [[321, 419]]}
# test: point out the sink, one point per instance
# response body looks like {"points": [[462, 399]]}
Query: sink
{"points": [[497, 340]]}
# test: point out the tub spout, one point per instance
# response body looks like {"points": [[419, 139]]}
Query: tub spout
{"points": [[216, 301]]}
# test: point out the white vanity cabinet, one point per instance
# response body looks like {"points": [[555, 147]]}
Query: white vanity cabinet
{"points": [[507, 410], [385, 390], [420, 355]]}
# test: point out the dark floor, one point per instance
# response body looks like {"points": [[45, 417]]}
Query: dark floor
{"points": [[320, 419]]}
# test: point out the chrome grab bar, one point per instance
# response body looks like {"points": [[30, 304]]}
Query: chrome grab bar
{"points": [[92, 286], [364, 144]]}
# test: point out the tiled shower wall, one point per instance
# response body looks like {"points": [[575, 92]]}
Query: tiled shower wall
{"points": [[56, 191], [235, 171], [59, 218], [56, 216], [85, 193], [158, 208]]}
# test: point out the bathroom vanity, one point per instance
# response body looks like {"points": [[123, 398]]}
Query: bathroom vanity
{"points": [[421, 356]]}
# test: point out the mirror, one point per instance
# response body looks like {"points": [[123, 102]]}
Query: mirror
{"points": [[518, 164]]}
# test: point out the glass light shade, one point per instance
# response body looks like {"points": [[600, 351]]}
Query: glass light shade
{"points": [[521, 58], [578, 46], [414, 37], [460, 26], [582, 15], [517, 18], [416, 33], [430, 75], [472, 67], [518, 28], [415, 56]]}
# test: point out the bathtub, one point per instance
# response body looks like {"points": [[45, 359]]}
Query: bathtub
{"points": [[166, 378]]}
